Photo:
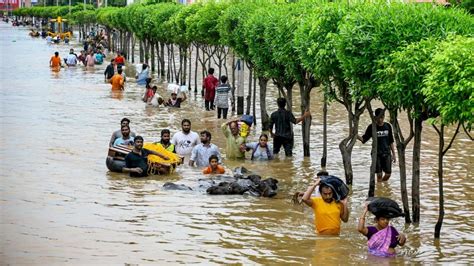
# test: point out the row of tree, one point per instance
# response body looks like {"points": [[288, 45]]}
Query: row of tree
{"points": [[415, 58]]}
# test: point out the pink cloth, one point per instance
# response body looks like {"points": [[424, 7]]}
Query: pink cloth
{"points": [[379, 243], [90, 61]]}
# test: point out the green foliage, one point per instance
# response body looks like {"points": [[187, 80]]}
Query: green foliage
{"points": [[231, 27], [258, 45], [159, 17], [449, 83], [373, 31], [176, 24], [400, 76], [314, 41], [83, 17], [279, 31], [202, 25]]}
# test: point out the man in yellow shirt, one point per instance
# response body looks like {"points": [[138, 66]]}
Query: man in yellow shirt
{"points": [[117, 81], [327, 212]]}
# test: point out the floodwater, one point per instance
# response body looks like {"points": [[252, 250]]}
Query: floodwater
{"points": [[59, 204]]}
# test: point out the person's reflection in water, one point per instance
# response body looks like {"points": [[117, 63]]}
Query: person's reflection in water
{"points": [[116, 95]]}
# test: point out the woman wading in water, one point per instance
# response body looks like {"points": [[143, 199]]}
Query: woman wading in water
{"points": [[381, 238]]}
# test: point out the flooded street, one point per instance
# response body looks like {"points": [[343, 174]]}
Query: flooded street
{"points": [[59, 203]]}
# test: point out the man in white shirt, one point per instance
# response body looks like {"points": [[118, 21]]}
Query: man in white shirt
{"points": [[185, 140], [71, 59]]}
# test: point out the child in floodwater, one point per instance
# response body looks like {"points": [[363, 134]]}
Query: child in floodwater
{"points": [[214, 167], [381, 238]]}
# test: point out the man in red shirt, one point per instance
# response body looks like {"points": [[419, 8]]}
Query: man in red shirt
{"points": [[209, 85], [119, 60]]}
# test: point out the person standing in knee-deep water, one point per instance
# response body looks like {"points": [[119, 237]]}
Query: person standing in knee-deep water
{"points": [[384, 145], [282, 119], [222, 98], [328, 213], [209, 89]]}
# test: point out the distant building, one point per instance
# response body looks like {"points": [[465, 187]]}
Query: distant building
{"points": [[9, 5]]}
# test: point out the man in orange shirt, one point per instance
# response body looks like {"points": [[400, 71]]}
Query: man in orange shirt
{"points": [[327, 212], [117, 81], [55, 61]]}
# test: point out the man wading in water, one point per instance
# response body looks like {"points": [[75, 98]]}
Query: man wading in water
{"points": [[384, 145], [327, 212], [136, 161], [282, 119]]}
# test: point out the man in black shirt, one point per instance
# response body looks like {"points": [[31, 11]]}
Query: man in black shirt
{"points": [[110, 70], [384, 145], [136, 162], [282, 119]]}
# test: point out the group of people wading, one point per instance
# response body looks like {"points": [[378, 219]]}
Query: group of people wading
{"points": [[197, 148]]}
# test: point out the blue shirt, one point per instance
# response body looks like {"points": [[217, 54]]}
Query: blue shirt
{"points": [[121, 141], [200, 154]]}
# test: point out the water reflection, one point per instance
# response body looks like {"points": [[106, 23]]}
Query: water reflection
{"points": [[60, 205]]}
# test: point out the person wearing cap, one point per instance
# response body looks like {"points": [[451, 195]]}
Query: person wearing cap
{"points": [[175, 101], [385, 146], [328, 213]]}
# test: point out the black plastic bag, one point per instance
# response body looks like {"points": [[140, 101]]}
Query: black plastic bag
{"points": [[340, 189], [384, 207]]}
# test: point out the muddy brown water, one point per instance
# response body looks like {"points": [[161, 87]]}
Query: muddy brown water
{"points": [[59, 204]]}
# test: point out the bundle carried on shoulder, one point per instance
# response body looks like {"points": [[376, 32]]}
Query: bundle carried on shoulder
{"points": [[245, 123], [155, 163], [340, 189], [384, 207]]}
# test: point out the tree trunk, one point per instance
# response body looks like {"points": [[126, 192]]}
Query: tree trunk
{"points": [[262, 82], [158, 69], [325, 135], [374, 150], [188, 58], [184, 72], [415, 182], [162, 61], [254, 100], [152, 51], [441, 152], [305, 89], [233, 83], [241, 86], [173, 61], [141, 50], [401, 144], [196, 70], [439, 223]]}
